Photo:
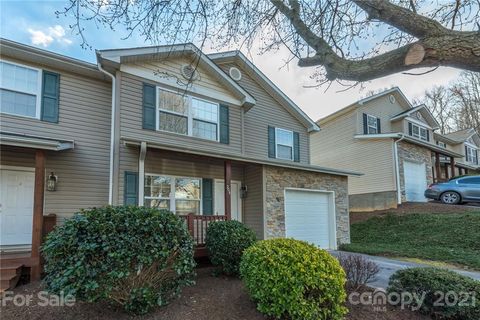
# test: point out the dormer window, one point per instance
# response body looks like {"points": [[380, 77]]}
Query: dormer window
{"points": [[371, 124], [418, 132]]}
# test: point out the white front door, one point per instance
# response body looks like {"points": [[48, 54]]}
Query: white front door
{"points": [[16, 207], [415, 176], [235, 199]]}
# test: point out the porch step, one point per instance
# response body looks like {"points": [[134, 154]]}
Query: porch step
{"points": [[10, 272]]}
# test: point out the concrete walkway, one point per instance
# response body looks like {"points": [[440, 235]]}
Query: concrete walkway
{"points": [[390, 266]]}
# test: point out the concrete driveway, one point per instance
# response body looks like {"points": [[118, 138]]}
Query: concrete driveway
{"points": [[390, 266]]}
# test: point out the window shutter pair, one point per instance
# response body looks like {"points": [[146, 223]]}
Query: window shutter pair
{"points": [[50, 96], [130, 188], [150, 113], [271, 144]]}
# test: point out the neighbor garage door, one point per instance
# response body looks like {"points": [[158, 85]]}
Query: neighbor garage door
{"points": [[415, 181], [309, 217]]}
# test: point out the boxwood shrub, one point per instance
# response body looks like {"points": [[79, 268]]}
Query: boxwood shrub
{"points": [[291, 279], [226, 241], [448, 295], [134, 257]]}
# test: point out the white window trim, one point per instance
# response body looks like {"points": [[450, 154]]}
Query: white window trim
{"points": [[38, 93], [419, 132], [276, 144], [189, 114], [470, 156], [171, 197], [369, 126]]}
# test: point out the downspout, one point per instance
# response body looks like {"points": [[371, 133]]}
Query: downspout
{"points": [[397, 168], [112, 134]]}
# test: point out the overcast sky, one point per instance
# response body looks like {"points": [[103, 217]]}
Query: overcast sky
{"points": [[35, 23]]}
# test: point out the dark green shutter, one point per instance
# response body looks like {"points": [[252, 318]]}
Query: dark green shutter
{"points": [[50, 96], [296, 147], [149, 113], [428, 135], [271, 142], [224, 125], [130, 193], [365, 125], [410, 129], [207, 197], [476, 157], [466, 153], [379, 129]]}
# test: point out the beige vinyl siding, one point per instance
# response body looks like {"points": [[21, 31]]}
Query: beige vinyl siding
{"points": [[84, 116], [168, 70], [267, 112], [253, 203], [131, 123], [335, 146]]}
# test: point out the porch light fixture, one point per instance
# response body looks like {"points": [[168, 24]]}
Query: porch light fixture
{"points": [[243, 192], [52, 182]]}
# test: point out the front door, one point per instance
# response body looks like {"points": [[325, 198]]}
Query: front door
{"points": [[16, 207], [235, 198]]}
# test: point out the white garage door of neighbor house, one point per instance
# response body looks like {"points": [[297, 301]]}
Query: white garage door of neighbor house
{"points": [[309, 217], [415, 181], [16, 207]]}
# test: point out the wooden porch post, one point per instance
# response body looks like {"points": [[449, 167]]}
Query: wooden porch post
{"points": [[38, 213], [446, 171], [452, 163], [228, 181], [438, 175]]}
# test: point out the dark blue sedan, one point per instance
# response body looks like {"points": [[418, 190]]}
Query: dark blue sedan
{"points": [[456, 190]]}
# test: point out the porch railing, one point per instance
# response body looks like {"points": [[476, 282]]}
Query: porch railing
{"points": [[197, 226]]}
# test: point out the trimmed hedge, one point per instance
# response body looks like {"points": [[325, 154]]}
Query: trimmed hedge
{"points": [[226, 241], [134, 257], [292, 279], [435, 282]]}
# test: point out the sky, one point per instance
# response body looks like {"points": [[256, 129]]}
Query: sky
{"points": [[35, 23]]}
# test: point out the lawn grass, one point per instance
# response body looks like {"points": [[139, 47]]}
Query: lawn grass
{"points": [[450, 238]]}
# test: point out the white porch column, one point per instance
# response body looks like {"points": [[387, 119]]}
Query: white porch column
{"points": [[141, 173]]}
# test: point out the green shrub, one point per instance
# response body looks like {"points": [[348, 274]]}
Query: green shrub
{"points": [[134, 257], [295, 280], [226, 241], [432, 282]]}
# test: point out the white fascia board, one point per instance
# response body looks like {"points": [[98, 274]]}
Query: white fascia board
{"points": [[279, 93], [378, 136]]}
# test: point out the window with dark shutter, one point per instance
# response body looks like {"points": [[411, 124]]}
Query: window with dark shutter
{"points": [[149, 109], [224, 125], [130, 192], [271, 142], [296, 147], [207, 197]]}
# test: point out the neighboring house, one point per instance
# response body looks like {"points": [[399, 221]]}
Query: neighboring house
{"points": [[208, 137], [387, 139], [467, 143]]}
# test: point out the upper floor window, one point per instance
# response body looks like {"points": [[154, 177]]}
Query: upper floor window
{"points": [[187, 115], [418, 132], [20, 88], [371, 124], [284, 144], [471, 154], [442, 144]]}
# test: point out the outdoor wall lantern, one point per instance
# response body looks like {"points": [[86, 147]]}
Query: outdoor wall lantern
{"points": [[243, 192], [52, 182]]}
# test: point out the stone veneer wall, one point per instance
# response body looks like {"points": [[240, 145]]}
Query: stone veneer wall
{"points": [[276, 179], [414, 153]]}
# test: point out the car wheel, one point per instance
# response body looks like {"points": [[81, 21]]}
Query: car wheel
{"points": [[450, 197]]}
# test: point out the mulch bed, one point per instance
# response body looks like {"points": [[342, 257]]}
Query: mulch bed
{"points": [[409, 208], [212, 298]]}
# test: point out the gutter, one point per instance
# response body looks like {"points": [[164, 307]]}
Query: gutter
{"points": [[112, 134], [397, 168]]}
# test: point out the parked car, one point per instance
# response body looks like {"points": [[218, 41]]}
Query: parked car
{"points": [[456, 190]]}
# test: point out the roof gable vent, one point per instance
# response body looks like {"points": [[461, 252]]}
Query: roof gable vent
{"points": [[235, 73], [391, 98], [189, 72]]}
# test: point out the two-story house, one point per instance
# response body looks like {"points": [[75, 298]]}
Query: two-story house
{"points": [[208, 137], [387, 139], [467, 143]]}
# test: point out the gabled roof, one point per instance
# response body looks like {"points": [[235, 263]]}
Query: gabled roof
{"points": [[239, 58], [395, 90], [114, 57], [463, 135], [426, 114]]}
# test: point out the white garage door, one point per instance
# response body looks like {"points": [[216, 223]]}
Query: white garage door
{"points": [[415, 181], [309, 217]]}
